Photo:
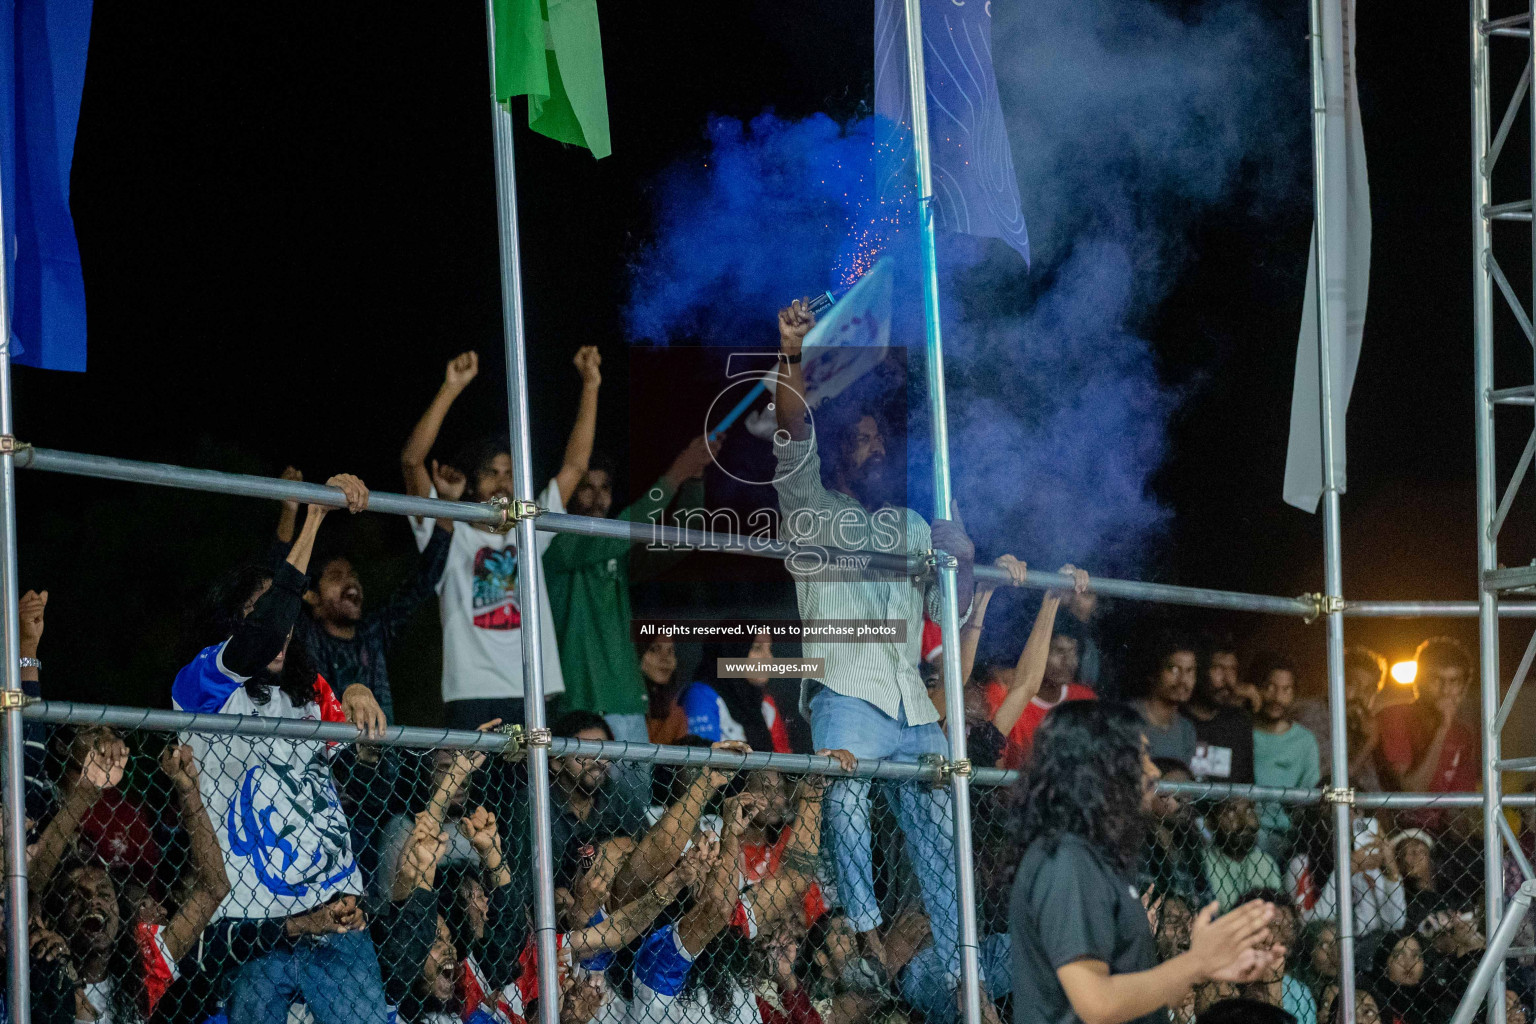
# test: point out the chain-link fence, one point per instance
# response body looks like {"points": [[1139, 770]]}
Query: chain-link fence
{"points": [[260, 875]]}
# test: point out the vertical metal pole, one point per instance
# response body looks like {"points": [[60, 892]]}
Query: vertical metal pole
{"points": [[19, 1001], [949, 618], [1490, 970], [1333, 572], [1487, 495], [529, 567]]}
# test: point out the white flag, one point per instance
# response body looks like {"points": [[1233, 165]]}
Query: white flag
{"points": [[1348, 218], [847, 343]]}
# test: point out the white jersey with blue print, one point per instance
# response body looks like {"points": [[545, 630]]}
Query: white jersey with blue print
{"points": [[708, 717], [272, 801], [661, 972]]}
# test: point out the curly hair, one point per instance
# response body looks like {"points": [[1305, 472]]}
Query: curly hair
{"points": [[1085, 779], [476, 457]]}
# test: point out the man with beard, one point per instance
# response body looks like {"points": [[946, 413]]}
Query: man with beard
{"points": [[482, 622], [347, 646], [1284, 752], [1234, 864], [1165, 689], [1223, 721], [583, 808], [83, 906], [1365, 676], [588, 582], [766, 839], [589, 590], [871, 702]]}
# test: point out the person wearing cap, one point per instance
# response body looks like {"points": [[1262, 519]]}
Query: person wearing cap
{"points": [[1414, 849]]}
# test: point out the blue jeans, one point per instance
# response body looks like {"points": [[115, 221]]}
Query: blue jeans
{"points": [[924, 814], [931, 990], [338, 976]]}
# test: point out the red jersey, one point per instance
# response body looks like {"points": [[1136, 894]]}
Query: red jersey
{"points": [[1023, 734], [760, 860], [1406, 732]]}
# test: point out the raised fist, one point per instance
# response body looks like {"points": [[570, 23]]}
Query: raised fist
{"points": [[461, 370]]}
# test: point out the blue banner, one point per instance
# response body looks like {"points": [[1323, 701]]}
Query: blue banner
{"points": [[43, 45], [975, 189]]}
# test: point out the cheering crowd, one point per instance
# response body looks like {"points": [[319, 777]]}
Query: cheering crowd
{"points": [[262, 878]]}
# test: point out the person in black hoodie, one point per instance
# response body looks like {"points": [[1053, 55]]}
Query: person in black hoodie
{"points": [[727, 708], [427, 968]]}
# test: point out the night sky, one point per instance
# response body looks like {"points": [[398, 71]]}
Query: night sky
{"points": [[287, 220]]}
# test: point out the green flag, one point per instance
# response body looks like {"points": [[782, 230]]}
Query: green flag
{"points": [[552, 52]]}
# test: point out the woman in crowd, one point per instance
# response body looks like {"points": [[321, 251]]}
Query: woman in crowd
{"points": [[665, 720], [729, 708], [1379, 897], [287, 847], [1317, 960], [1414, 850], [1395, 976], [1082, 943]]}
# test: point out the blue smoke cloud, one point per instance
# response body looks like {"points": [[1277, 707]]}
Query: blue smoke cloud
{"points": [[1127, 124], [775, 209]]}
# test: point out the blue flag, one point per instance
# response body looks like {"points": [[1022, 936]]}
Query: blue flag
{"points": [[975, 189], [43, 46]]}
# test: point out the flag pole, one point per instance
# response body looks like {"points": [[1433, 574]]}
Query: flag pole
{"points": [[1326, 16], [18, 967], [529, 567], [949, 618]]}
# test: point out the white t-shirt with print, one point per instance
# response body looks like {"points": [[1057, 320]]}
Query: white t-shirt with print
{"points": [[482, 623]]}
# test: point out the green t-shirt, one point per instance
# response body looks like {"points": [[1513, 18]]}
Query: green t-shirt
{"points": [[1289, 760], [588, 583], [1230, 879]]}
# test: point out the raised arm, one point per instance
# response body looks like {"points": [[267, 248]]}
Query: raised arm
{"points": [[970, 633], [949, 536], [1029, 672], [288, 518], [102, 758], [633, 919], [428, 829], [413, 457], [262, 634], [717, 902], [30, 608], [780, 895], [578, 448], [420, 585], [212, 883], [795, 322], [658, 851]]}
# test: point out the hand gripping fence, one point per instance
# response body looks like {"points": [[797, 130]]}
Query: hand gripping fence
{"points": [[186, 865]]}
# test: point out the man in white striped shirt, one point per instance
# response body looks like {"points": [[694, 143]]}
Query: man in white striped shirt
{"points": [[872, 702]]}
